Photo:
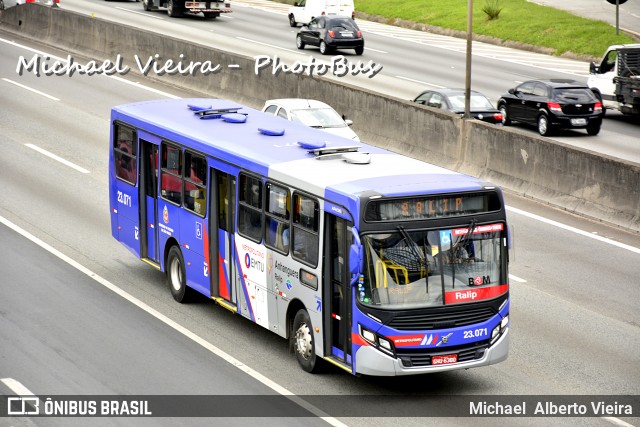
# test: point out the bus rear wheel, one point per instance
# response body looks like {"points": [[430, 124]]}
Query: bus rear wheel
{"points": [[177, 276], [304, 343]]}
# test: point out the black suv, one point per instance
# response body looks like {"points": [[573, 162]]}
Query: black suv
{"points": [[552, 104]]}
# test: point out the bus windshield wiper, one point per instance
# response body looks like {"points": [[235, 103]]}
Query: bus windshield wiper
{"points": [[421, 257], [467, 235]]}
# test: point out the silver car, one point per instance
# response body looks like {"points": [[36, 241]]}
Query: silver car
{"points": [[312, 113]]}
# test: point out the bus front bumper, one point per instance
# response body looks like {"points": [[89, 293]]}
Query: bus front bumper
{"points": [[370, 361]]}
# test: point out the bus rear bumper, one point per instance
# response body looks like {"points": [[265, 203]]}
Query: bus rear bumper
{"points": [[370, 361]]}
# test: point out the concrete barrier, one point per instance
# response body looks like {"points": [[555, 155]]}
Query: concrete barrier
{"points": [[578, 181]]}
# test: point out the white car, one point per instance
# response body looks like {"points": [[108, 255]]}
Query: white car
{"points": [[312, 113], [304, 11]]}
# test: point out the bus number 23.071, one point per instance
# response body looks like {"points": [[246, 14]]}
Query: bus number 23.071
{"points": [[125, 199], [475, 333]]}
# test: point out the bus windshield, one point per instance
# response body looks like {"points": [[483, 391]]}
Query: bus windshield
{"points": [[409, 269]]}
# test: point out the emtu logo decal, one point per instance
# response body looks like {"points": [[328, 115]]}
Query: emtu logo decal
{"points": [[247, 260]]}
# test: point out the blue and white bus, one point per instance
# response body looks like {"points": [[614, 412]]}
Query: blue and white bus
{"points": [[375, 262]]}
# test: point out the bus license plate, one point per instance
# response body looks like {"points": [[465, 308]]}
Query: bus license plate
{"points": [[444, 359], [578, 122]]}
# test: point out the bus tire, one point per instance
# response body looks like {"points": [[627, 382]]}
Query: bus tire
{"points": [[177, 276], [304, 343]]}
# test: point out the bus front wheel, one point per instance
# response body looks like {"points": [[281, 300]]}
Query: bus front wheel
{"points": [[304, 343], [176, 275]]}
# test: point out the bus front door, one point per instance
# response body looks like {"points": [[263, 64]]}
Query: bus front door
{"points": [[149, 197], [221, 246], [337, 317]]}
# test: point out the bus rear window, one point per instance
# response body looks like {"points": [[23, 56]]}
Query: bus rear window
{"points": [[125, 149]]}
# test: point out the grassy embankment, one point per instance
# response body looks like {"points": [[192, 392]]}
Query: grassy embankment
{"points": [[519, 21]]}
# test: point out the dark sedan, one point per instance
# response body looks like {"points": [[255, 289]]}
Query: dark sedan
{"points": [[553, 104], [330, 33], [453, 100]]}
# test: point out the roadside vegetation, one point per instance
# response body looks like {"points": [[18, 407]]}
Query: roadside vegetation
{"points": [[517, 20]]}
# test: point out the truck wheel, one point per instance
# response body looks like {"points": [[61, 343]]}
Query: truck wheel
{"points": [[303, 342], [299, 42], [593, 129], [506, 121], [146, 5], [177, 276], [292, 21], [175, 9], [544, 128]]}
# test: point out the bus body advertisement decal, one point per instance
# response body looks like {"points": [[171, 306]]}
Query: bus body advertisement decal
{"points": [[252, 263], [336, 210], [245, 294], [474, 294]]}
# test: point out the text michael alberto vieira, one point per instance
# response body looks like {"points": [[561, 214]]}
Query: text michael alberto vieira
{"points": [[338, 66], [549, 408]]}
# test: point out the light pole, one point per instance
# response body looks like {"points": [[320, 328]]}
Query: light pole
{"points": [[467, 80]]}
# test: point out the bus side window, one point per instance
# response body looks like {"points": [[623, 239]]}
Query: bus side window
{"points": [[171, 176], [277, 218], [250, 208], [305, 237], [195, 183]]}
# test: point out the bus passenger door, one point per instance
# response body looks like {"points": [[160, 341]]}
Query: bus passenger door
{"points": [[336, 290], [222, 202], [149, 197]]}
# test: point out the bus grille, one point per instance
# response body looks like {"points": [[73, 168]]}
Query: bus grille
{"points": [[417, 357], [442, 319]]}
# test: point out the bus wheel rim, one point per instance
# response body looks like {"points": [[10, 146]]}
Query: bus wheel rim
{"points": [[303, 341], [176, 276]]}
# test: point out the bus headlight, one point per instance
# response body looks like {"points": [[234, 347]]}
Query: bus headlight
{"points": [[376, 341], [497, 331], [505, 322], [385, 344], [368, 335]]}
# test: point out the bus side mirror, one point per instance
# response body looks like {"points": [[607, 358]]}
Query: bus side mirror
{"points": [[355, 256]]}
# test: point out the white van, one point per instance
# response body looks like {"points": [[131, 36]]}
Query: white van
{"points": [[304, 11]]}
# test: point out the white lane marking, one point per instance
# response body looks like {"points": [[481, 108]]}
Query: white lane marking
{"points": [[31, 89], [573, 229], [179, 328], [617, 422], [419, 81], [139, 13], [517, 279], [270, 45], [57, 158], [120, 79], [376, 50], [147, 88], [16, 387]]}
